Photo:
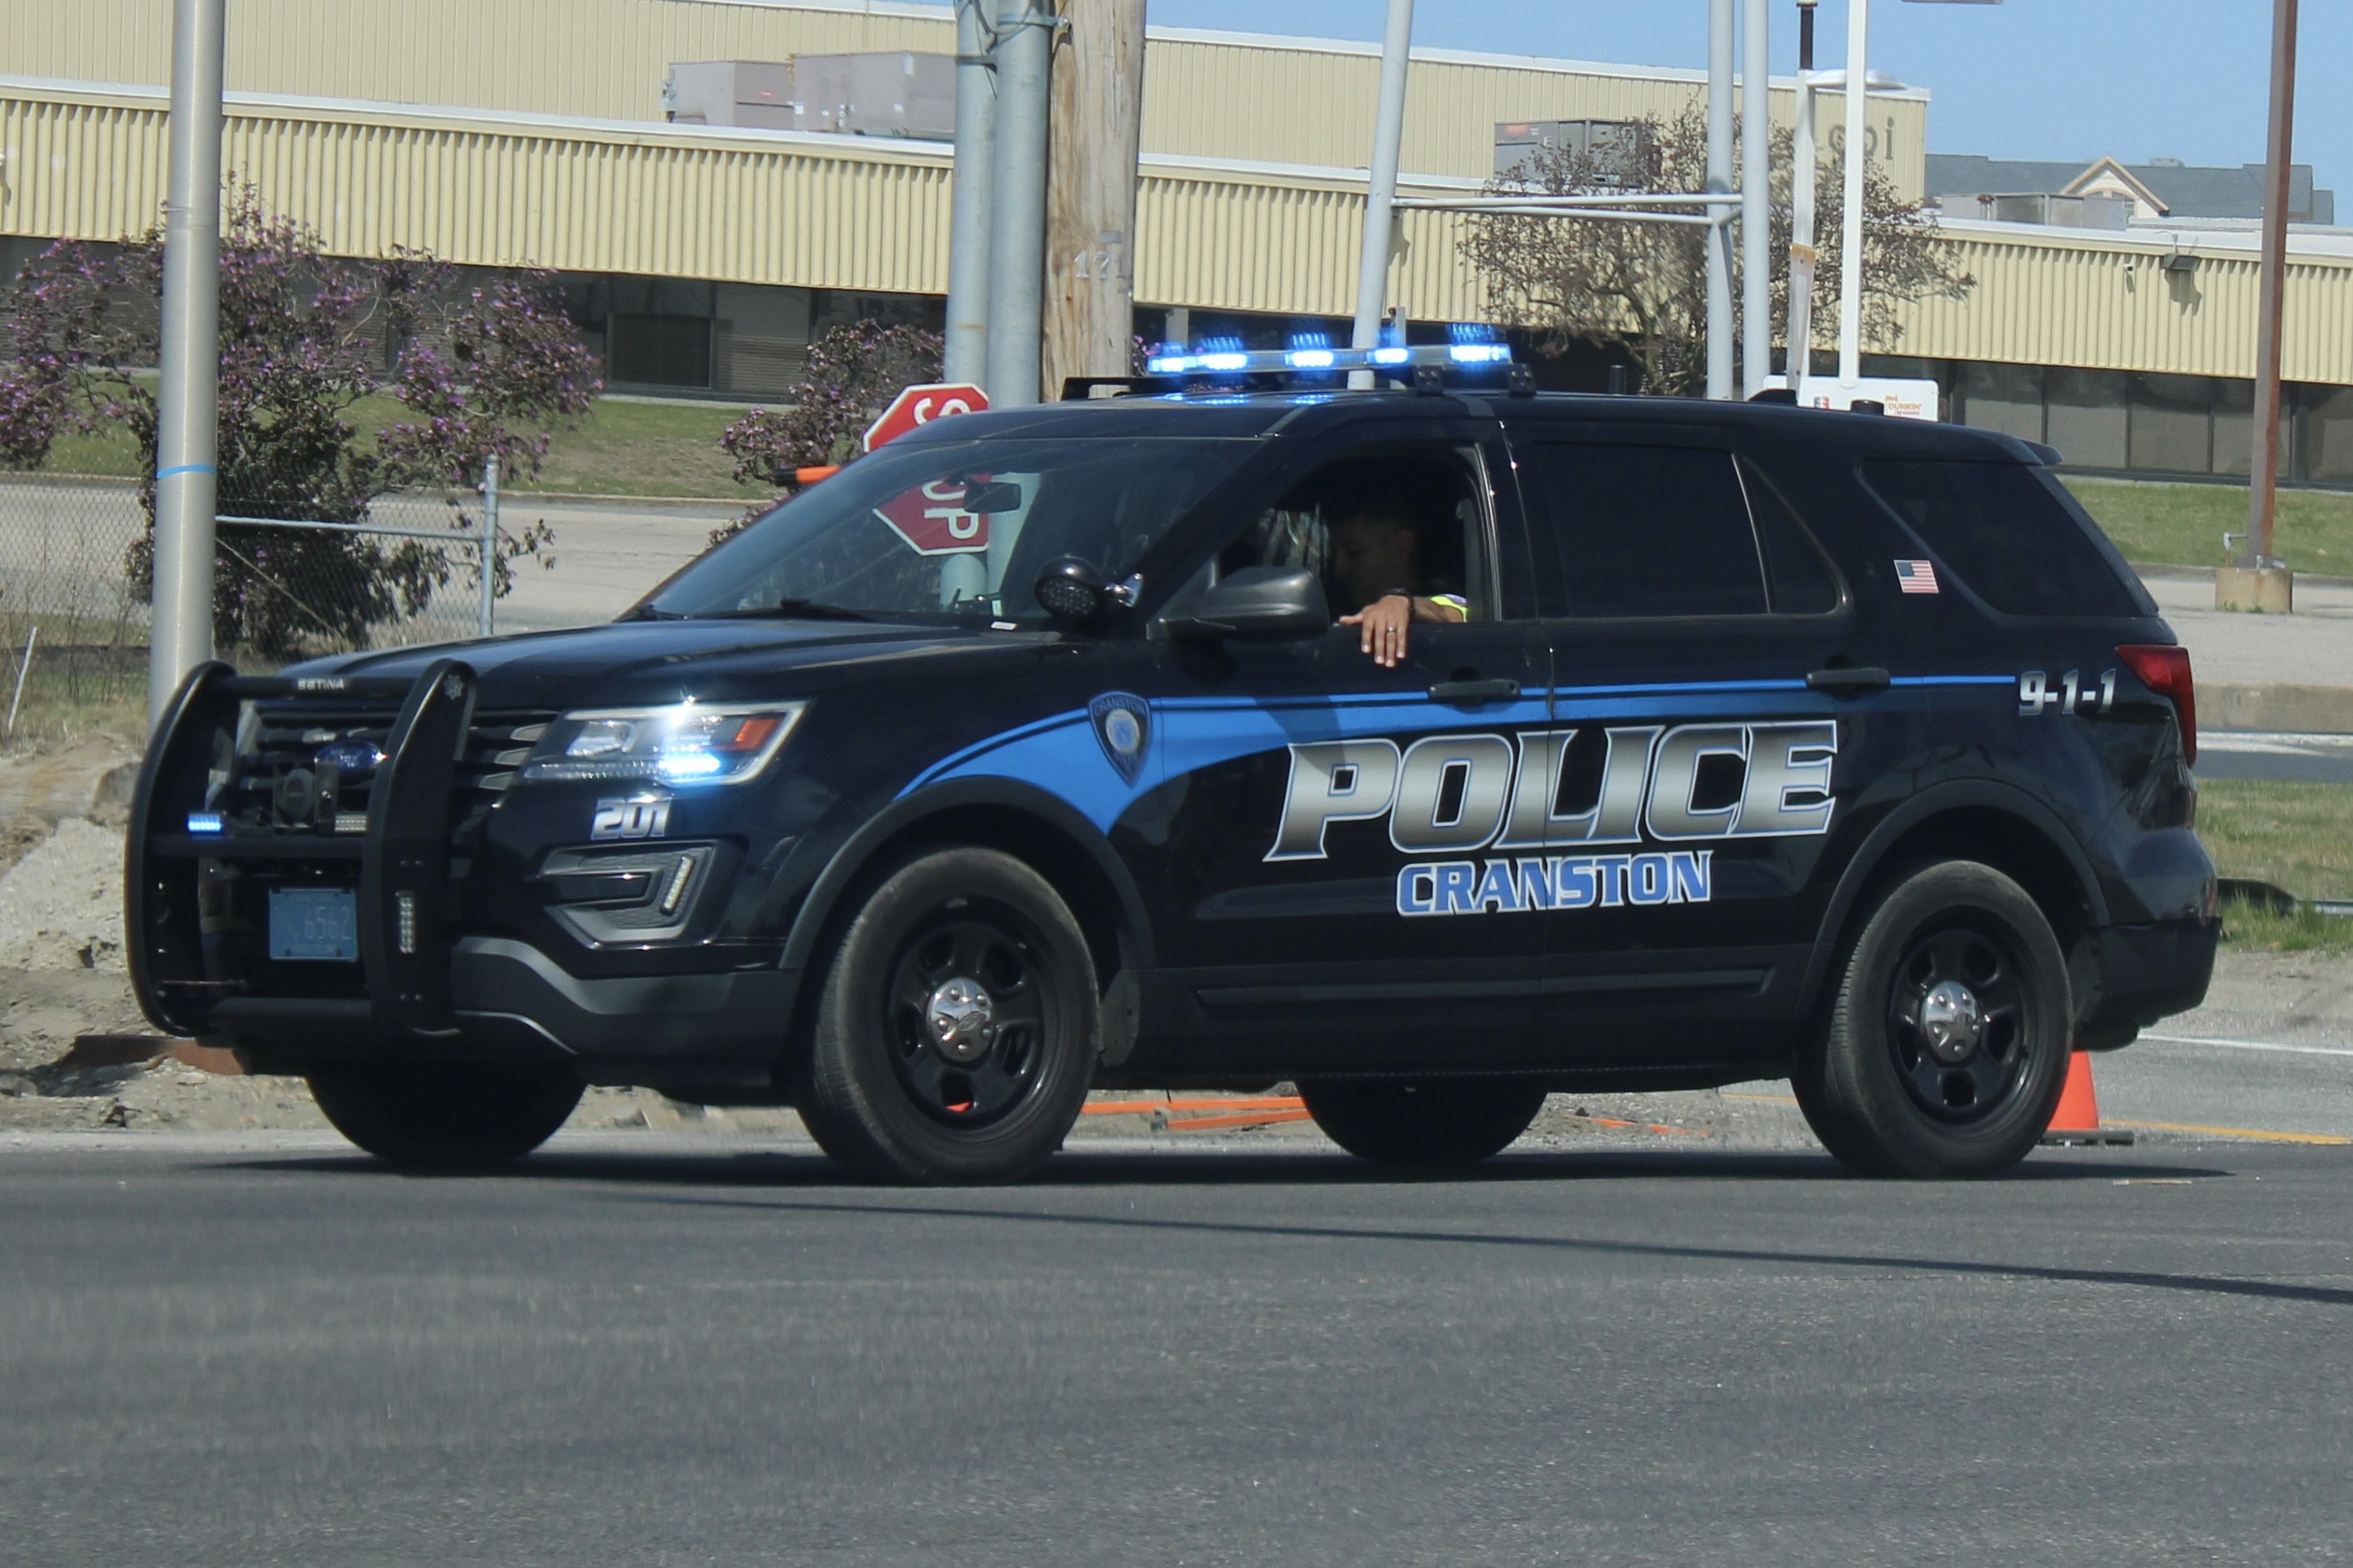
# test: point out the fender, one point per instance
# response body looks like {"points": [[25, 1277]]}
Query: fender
{"points": [[1935, 801], [1007, 794]]}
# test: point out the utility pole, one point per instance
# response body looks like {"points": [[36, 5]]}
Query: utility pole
{"points": [[187, 403], [966, 357], [1098, 125], [1803, 174], [2259, 580], [1755, 189], [1719, 179], [1017, 248], [1857, 104], [1380, 188]]}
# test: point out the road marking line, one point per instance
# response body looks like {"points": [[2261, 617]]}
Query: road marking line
{"points": [[2250, 1044], [1762, 1099], [2235, 1132]]}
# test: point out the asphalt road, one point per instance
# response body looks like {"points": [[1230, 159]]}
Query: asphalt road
{"points": [[281, 1355]]}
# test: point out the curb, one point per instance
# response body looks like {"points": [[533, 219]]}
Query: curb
{"points": [[2275, 707]]}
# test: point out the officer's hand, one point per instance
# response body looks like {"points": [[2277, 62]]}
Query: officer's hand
{"points": [[1384, 623]]}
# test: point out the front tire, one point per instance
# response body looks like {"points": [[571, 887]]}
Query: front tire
{"points": [[1435, 1122], [955, 1037], [462, 1119], [1947, 1044]]}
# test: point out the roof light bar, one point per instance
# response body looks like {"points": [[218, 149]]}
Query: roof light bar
{"points": [[1275, 362]]}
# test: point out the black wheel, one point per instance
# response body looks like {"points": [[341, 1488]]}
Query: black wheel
{"points": [[1434, 1121], [1947, 1045], [955, 1037], [454, 1119]]}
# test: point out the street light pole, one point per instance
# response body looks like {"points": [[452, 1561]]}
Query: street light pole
{"points": [[1858, 103], [1380, 188], [1802, 256], [1755, 189], [2263, 492], [187, 402], [1719, 180], [966, 356]]}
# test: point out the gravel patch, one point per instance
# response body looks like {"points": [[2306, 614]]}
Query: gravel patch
{"points": [[61, 905]]}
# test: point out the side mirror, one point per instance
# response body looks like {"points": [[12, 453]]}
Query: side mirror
{"points": [[1258, 602], [1070, 587]]}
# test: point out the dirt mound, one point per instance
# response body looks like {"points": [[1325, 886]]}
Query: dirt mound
{"points": [[61, 905]]}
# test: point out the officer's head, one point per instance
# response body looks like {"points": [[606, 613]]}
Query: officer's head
{"points": [[1377, 515]]}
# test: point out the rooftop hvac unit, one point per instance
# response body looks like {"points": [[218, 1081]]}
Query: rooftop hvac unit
{"points": [[1613, 151], [896, 94]]}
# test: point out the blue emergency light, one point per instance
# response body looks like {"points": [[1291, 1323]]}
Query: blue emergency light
{"points": [[1219, 360]]}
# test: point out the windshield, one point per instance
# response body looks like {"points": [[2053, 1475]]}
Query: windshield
{"points": [[890, 537]]}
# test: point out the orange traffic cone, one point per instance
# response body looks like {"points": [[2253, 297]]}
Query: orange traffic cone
{"points": [[2077, 1120]]}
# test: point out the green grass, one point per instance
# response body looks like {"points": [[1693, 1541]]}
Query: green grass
{"points": [[2248, 928], [2182, 525], [623, 449], [2298, 837]]}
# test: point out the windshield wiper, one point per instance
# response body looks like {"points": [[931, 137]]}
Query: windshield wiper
{"points": [[648, 613], [799, 609]]}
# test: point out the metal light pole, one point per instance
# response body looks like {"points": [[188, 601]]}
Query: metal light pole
{"points": [[1755, 190], [187, 403], [1858, 101], [966, 356], [1017, 248], [2261, 580], [1803, 158], [1719, 179], [1380, 190]]}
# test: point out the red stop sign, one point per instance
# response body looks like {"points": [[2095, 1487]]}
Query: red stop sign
{"points": [[932, 519], [920, 406]]}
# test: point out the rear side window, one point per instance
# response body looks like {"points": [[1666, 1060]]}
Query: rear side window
{"points": [[1998, 528], [1650, 531]]}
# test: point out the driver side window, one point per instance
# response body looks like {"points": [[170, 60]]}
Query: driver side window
{"points": [[1378, 520]]}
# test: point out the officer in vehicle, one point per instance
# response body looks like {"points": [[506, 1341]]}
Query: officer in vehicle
{"points": [[1378, 518]]}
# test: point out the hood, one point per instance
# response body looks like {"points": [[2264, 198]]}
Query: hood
{"points": [[630, 662]]}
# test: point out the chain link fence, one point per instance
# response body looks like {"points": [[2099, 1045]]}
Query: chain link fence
{"points": [[74, 557]]}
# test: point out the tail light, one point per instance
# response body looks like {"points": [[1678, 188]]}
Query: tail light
{"points": [[2165, 670]]}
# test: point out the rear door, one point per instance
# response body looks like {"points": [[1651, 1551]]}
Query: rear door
{"points": [[1321, 887], [1717, 695]]}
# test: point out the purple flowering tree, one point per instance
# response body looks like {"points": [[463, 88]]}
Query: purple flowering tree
{"points": [[303, 338], [852, 375]]}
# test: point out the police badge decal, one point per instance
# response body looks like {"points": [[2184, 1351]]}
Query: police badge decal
{"points": [[1123, 725]]}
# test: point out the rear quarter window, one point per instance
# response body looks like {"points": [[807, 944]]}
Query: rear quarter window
{"points": [[2011, 535]]}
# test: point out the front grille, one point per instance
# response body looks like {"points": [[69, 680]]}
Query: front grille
{"points": [[281, 780]]}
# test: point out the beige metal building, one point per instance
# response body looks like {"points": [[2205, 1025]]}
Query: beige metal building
{"points": [[495, 132]]}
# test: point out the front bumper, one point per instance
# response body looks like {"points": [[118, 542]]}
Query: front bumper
{"points": [[2146, 972], [421, 989]]}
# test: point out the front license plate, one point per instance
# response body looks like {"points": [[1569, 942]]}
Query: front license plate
{"points": [[314, 923]]}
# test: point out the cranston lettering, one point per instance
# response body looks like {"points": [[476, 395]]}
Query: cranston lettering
{"points": [[1458, 793], [1555, 882]]}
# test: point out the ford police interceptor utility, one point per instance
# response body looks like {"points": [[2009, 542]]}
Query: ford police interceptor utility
{"points": [[1024, 756]]}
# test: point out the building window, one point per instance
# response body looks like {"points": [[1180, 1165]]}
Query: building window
{"points": [[659, 350]]}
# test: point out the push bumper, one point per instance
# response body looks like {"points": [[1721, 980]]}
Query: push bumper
{"points": [[421, 989]]}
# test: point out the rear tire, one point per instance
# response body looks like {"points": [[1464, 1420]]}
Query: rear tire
{"points": [[954, 1039], [1947, 1040], [465, 1119], [1434, 1121]]}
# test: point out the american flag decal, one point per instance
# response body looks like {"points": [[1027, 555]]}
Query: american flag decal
{"points": [[1917, 576]]}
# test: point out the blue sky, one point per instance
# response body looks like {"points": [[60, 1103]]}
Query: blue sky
{"points": [[2026, 78]]}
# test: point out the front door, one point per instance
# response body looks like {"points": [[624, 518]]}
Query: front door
{"points": [[1323, 893]]}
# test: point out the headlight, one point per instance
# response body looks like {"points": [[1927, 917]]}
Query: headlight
{"points": [[693, 743]]}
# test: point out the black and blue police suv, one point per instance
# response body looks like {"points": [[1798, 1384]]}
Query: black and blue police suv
{"points": [[1028, 755]]}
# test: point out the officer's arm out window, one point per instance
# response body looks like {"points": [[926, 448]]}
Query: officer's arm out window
{"points": [[1650, 531], [2010, 533]]}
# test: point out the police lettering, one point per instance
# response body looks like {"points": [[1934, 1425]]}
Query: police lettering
{"points": [[1460, 794], [1553, 882]]}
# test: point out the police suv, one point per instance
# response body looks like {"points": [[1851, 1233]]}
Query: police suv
{"points": [[1026, 756]]}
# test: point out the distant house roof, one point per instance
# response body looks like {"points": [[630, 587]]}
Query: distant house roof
{"points": [[2178, 190], [2108, 176]]}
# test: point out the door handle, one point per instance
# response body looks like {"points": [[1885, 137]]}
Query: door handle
{"points": [[1469, 693], [1864, 678]]}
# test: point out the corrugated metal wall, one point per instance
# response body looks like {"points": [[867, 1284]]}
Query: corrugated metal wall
{"points": [[1273, 100], [2051, 297]]}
